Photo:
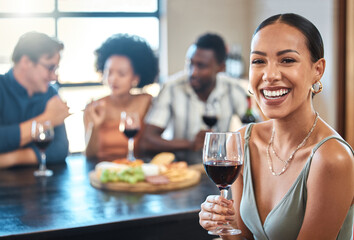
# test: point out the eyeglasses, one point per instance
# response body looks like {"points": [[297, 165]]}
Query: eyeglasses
{"points": [[50, 67]]}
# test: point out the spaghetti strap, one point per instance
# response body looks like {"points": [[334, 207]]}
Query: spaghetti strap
{"points": [[328, 138], [318, 145], [248, 132]]}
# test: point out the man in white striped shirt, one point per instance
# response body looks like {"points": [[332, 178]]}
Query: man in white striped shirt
{"points": [[184, 100]]}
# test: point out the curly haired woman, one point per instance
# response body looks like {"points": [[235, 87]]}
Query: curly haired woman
{"points": [[126, 62]]}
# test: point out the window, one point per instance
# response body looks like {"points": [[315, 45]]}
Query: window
{"points": [[82, 25]]}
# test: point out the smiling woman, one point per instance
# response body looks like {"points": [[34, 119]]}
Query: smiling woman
{"points": [[294, 163]]}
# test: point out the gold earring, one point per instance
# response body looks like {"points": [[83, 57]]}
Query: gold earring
{"points": [[317, 87]]}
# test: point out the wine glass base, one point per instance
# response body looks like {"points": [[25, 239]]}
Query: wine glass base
{"points": [[43, 173], [224, 231]]}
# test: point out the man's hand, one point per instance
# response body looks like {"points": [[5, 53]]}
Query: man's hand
{"points": [[96, 112], [56, 111]]}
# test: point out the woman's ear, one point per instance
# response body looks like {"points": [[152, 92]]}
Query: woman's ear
{"points": [[319, 68], [136, 81]]}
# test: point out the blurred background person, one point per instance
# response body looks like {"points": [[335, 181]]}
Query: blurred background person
{"points": [[26, 96], [186, 99], [126, 62]]}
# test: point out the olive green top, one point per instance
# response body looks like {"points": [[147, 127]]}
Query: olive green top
{"points": [[285, 219]]}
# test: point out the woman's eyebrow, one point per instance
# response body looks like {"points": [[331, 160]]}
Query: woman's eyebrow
{"points": [[287, 51], [278, 53], [259, 53]]}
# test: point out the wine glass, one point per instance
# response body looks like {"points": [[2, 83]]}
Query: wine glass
{"points": [[130, 126], [42, 135], [223, 159], [209, 117]]}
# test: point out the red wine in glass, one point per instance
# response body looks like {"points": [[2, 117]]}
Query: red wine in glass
{"points": [[130, 126], [42, 145], [210, 120], [130, 133], [223, 159], [223, 173], [42, 135]]}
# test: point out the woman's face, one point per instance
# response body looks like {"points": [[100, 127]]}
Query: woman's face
{"points": [[119, 74], [281, 70]]}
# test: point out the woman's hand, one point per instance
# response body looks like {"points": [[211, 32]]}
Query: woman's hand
{"points": [[216, 211], [96, 112]]}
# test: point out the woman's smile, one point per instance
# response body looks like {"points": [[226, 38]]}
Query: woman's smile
{"points": [[274, 96]]}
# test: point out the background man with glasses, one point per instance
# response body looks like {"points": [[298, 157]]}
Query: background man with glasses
{"points": [[26, 96]]}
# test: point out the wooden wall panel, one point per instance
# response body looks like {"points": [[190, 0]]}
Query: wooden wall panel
{"points": [[349, 119]]}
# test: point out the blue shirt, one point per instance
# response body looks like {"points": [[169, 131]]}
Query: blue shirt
{"points": [[17, 107]]}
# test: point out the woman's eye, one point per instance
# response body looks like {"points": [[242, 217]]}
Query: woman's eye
{"points": [[288, 60], [257, 61]]}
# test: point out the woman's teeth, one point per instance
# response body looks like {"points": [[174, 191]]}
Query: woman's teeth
{"points": [[275, 94]]}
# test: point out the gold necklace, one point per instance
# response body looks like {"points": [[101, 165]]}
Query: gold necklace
{"points": [[287, 162]]}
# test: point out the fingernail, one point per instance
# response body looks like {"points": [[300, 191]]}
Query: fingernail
{"points": [[230, 212], [223, 200]]}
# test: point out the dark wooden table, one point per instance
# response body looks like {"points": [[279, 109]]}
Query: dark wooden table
{"points": [[66, 206]]}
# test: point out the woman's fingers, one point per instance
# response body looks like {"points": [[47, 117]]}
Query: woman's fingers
{"points": [[209, 220], [216, 211], [219, 205]]}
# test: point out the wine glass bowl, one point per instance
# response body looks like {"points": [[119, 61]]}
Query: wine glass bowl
{"points": [[209, 117], [222, 160], [130, 126], [210, 120], [42, 135]]}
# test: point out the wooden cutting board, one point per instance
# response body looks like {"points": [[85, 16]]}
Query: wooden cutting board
{"points": [[192, 178]]}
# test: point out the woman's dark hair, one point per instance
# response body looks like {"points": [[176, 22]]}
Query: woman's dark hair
{"points": [[34, 45], [140, 54], [313, 37], [213, 42]]}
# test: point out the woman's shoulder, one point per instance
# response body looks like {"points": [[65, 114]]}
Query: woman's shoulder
{"points": [[258, 130], [257, 133], [142, 99], [102, 100], [332, 153], [143, 96]]}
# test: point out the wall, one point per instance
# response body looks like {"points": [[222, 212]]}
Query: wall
{"points": [[323, 14], [350, 74], [187, 20], [235, 20]]}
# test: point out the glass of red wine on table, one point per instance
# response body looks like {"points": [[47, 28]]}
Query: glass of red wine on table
{"points": [[130, 126], [42, 135], [223, 159], [209, 117]]}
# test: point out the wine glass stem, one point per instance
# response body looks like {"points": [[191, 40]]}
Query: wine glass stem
{"points": [[224, 193], [131, 149], [42, 165]]}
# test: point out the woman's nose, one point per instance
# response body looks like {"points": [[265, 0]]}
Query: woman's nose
{"points": [[271, 73]]}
